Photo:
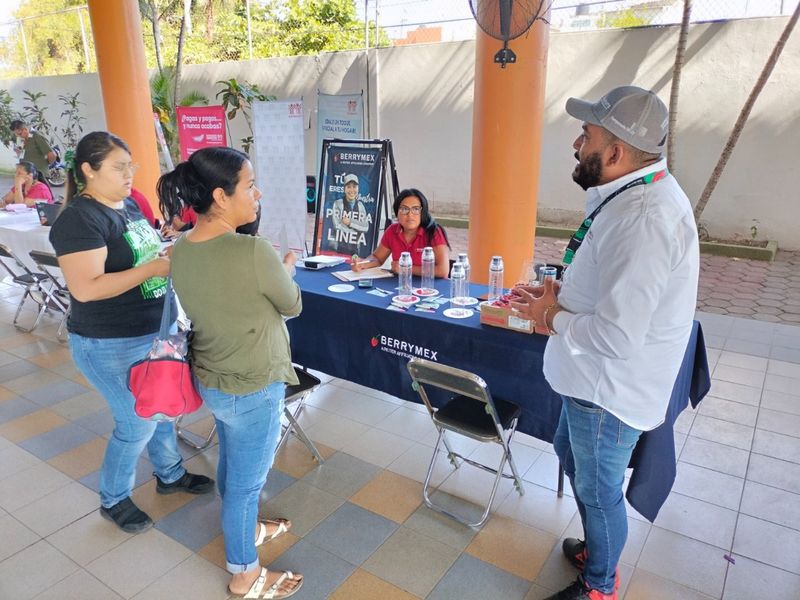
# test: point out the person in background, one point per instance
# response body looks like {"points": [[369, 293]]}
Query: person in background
{"points": [[622, 319], [27, 188], [35, 147], [236, 291], [415, 228], [181, 222], [144, 206], [109, 256]]}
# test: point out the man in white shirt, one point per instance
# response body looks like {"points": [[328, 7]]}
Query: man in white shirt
{"points": [[622, 319]]}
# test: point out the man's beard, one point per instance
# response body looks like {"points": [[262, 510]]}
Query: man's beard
{"points": [[588, 171]]}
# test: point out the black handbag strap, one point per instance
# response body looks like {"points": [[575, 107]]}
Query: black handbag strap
{"points": [[166, 313]]}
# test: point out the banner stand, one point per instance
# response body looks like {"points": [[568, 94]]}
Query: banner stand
{"points": [[356, 178]]}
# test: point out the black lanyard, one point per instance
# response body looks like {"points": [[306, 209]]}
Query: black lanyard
{"points": [[577, 237]]}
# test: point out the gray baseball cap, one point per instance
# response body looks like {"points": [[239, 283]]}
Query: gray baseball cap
{"points": [[635, 115], [350, 179]]}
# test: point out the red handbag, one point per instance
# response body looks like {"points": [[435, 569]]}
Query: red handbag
{"points": [[161, 383]]}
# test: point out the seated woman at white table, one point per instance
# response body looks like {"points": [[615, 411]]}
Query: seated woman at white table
{"points": [[414, 230], [27, 188]]}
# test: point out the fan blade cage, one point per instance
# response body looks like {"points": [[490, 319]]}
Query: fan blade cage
{"points": [[507, 19]]}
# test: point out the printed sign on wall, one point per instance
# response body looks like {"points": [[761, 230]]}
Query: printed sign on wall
{"points": [[339, 117], [200, 127]]}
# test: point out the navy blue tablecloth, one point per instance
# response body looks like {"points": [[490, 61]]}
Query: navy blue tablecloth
{"points": [[355, 337]]}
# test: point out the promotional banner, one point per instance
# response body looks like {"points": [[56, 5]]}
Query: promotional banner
{"points": [[350, 210], [278, 153], [200, 127], [339, 117]]}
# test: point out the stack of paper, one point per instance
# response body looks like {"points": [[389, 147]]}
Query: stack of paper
{"points": [[373, 273]]}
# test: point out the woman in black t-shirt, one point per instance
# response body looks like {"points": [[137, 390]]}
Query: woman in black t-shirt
{"points": [[110, 258]]}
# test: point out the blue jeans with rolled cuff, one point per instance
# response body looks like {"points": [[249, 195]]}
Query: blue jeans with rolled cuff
{"points": [[248, 427]]}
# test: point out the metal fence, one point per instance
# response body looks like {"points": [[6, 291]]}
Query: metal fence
{"points": [[425, 21], [391, 22]]}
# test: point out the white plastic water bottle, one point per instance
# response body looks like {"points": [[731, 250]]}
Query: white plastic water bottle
{"points": [[405, 274], [464, 260], [495, 278], [428, 270], [457, 282]]}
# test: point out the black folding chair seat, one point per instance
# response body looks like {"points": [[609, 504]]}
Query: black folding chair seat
{"points": [[470, 415]]}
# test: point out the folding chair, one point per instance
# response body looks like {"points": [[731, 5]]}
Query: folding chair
{"points": [[59, 294], [32, 284], [473, 413], [295, 395]]}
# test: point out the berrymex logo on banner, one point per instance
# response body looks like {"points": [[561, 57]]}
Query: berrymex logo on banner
{"points": [[402, 348]]}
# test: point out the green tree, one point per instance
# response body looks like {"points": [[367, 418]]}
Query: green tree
{"points": [[54, 42], [7, 114], [218, 33], [154, 12]]}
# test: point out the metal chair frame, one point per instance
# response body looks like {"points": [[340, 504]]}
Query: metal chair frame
{"points": [[33, 284], [59, 293], [297, 399], [424, 372]]}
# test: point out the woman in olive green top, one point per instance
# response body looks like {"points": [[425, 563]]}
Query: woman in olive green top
{"points": [[236, 291]]}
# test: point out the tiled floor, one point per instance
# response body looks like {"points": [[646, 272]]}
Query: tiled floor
{"points": [[360, 532]]}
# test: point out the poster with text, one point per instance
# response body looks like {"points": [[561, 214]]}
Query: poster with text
{"points": [[350, 211], [200, 127], [339, 117], [278, 155]]}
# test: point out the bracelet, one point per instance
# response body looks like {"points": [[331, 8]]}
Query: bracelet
{"points": [[550, 330]]}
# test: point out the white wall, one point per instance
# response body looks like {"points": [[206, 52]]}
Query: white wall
{"points": [[421, 97]]}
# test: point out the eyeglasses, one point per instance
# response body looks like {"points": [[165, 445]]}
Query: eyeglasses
{"points": [[414, 210], [122, 169]]}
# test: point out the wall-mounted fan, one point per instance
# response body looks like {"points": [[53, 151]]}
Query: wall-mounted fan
{"points": [[505, 20]]}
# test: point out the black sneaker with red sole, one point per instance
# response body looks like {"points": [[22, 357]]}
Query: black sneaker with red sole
{"points": [[575, 551], [578, 590]]}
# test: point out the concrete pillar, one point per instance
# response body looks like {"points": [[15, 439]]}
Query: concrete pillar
{"points": [[506, 151], [117, 31]]}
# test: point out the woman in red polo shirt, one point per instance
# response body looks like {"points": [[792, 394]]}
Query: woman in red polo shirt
{"points": [[27, 188], [415, 228]]}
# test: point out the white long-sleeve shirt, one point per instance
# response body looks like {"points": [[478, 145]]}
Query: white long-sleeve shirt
{"points": [[629, 298]]}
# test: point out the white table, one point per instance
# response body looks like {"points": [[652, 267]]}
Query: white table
{"points": [[22, 232]]}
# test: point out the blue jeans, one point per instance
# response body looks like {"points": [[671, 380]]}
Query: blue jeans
{"points": [[248, 427], [105, 362], [594, 448]]}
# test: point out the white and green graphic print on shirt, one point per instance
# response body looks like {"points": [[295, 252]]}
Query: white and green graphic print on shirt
{"points": [[145, 246]]}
